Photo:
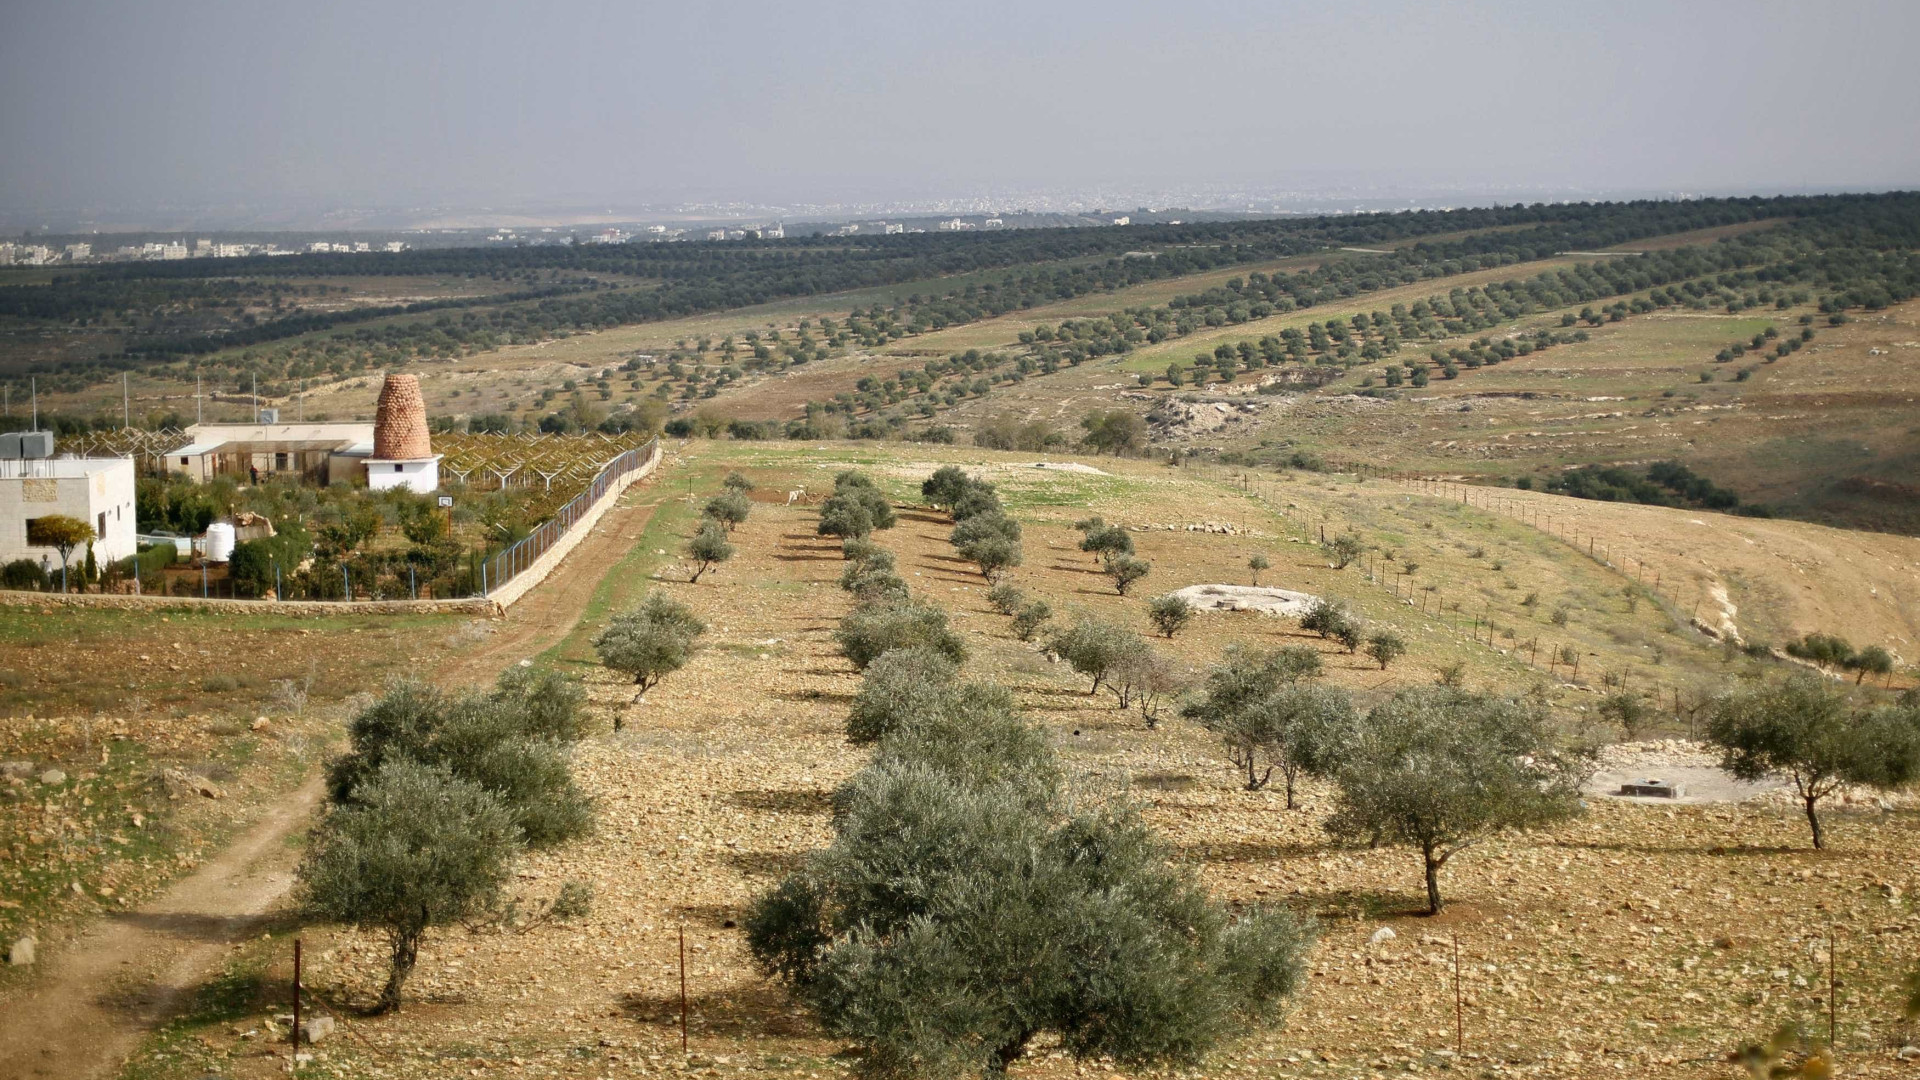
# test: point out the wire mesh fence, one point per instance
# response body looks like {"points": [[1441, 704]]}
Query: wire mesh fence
{"points": [[503, 566]]}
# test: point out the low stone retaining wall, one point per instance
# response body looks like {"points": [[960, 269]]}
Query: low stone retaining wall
{"points": [[476, 605]]}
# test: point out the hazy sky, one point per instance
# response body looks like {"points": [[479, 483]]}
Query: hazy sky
{"points": [[109, 103]]}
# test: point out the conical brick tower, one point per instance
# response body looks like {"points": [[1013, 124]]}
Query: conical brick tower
{"points": [[402, 445], [400, 423]]}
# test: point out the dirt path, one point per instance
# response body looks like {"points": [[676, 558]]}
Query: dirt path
{"points": [[105, 989]]}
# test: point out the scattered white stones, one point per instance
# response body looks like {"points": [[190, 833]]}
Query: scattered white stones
{"points": [[53, 776], [21, 953], [1385, 933]]}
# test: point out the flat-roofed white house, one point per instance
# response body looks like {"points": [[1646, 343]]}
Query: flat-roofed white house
{"points": [[317, 453], [98, 491]]}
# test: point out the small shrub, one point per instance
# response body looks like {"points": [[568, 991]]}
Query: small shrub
{"points": [[1007, 599], [1385, 647], [1125, 570], [1028, 620], [1170, 613]]}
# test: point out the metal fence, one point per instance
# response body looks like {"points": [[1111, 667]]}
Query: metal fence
{"points": [[502, 567]]}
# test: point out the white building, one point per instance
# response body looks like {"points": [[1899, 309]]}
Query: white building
{"points": [[1123, 220], [98, 491], [319, 453]]}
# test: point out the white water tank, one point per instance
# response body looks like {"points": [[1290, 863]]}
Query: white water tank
{"points": [[219, 542]]}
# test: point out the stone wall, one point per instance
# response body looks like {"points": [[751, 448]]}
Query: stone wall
{"points": [[114, 602]]}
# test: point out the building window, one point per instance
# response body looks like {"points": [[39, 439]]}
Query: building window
{"points": [[279, 461], [396, 467], [183, 461], [102, 530]]}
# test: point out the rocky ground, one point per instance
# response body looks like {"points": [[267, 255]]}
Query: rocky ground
{"points": [[1642, 940]]}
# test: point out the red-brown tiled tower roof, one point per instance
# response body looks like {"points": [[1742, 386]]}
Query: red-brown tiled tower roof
{"points": [[400, 423]]}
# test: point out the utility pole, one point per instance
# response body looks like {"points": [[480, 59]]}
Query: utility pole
{"points": [[33, 384], [196, 399], [125, 421]]}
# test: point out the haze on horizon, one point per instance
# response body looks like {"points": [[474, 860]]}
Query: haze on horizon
{"points": [[112, 105]]}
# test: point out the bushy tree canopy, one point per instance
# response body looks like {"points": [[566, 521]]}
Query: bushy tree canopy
{"points": [[962, 910], [413, 848], [650, 642], [708, 548], [1811, 733], [873, 629], [1439, 770]]}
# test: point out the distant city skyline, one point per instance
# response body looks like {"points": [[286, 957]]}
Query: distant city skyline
{"points": [[214, 113]]}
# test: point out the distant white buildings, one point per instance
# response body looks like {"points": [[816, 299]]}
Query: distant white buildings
{"points": [[892, 229], [201, 248], [954, 225], [717, 234], [1123, 219], [776, 231]]}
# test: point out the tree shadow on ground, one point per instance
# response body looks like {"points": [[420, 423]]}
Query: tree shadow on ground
{"points": [[710, 916], [923, 516], [1165, 781], [1715, 850], [1076, 568], [766, 864], [781, 801], [814, 695], [762, 1009], [1251, 851], [804, 555]]}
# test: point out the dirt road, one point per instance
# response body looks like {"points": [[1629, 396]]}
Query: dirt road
{"points": [[104, 990]]}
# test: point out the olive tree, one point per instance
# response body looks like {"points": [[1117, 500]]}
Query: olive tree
{"points": [[414, 849], [730, 508], [1344, 549], [870, 630], [1257, 564], [1030, 618], [1441, 770], [1385, 647], [899, 684], [650, 642], [512, 743], [1092, 647], [707, 549], [1810, 733], [1170, 613], [991, 540], [964, 909], [1125, 570], [1256, 703], [844, 516], [945, 486]]}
